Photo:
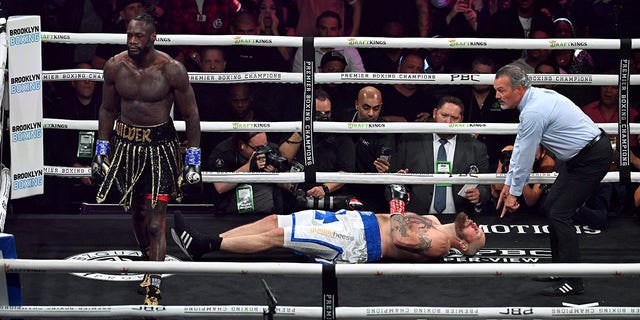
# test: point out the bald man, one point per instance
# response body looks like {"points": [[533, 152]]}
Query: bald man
{"points": [[373, 150]]}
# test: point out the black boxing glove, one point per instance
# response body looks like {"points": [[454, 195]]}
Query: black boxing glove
{"points": [[398, 197], [191, 179], [100, 162]]}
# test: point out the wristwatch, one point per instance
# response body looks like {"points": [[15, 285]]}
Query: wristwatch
{"points": [[325, 189]]}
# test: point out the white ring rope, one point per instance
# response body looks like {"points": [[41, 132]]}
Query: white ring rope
{"points": [[337, 127], [297, 312], [348, 177], [357, 42], [358, 77], [469, 270], [173, 39]]}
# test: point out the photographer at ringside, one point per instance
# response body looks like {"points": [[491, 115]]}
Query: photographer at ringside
{"points": [[247, 152], [333, 152], [533, 193]]}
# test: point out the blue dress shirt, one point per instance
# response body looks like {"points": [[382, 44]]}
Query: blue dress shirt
{"points": [[550, 119]]}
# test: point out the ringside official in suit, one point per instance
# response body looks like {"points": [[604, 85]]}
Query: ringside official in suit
{"points": [[444, 153]]}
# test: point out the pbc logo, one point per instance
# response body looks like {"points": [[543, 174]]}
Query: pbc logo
{"points": [[465, 77], [502, 255]]}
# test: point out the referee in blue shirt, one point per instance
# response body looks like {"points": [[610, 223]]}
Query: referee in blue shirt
{"points": [[551, 119]]}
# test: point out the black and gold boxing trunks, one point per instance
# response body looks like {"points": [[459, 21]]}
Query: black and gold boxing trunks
{"points": [[145, 160]]}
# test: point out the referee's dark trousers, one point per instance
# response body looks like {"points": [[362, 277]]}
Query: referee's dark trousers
{"points": [[577, 179]]}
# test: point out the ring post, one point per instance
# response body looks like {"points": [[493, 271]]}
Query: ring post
{"points": [[12, 296]]}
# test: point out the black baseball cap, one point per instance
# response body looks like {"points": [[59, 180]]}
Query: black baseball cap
{"points": [[332, 56]]}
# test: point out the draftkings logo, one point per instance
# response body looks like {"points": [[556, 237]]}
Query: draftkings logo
{"points": [[114, 255], [506, 255]]}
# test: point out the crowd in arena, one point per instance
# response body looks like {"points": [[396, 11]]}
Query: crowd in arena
{"points": [[267, 102]]}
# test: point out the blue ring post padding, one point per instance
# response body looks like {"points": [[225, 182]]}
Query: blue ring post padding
{"points": [[8, 248]]}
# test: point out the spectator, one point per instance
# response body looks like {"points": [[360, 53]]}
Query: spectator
{"points": [[277, 17], [253, 58], [483, 107], [329, 24], [73, 148], [440, 61], [189, 17], [310, 10], [384, 60], [547, 67], [459, 19], [518, 21], [572, 61], [374, 151], [211, 98], [127, 10], [244, 152], [408, 102], [272, 21], [242, 106], [412, 15], [332, 152], [422, 153], [341, 93], [533, 57]]}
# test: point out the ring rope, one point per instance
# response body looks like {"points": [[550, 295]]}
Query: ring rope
{"points": [[297, 312], [335, 127], [358, 42], [349, 177], [358, 77], [486, 270]]}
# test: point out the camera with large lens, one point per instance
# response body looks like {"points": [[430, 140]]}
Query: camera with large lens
{"points": [[505, 157], [274, 158], [329, 203]]}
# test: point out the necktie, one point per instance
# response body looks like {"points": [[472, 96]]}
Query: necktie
{"points": [[440, 199]]}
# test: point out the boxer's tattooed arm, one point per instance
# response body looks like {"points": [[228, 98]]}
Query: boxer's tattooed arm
{"points": [[404, 237]]}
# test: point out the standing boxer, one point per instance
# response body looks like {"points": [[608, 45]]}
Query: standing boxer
{"points": [[140, 87]]}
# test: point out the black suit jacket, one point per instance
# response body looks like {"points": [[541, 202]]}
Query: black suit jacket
{"points": [[415, 152]]}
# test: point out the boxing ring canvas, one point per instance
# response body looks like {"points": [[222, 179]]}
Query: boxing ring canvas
{"points": [[515, 239]]}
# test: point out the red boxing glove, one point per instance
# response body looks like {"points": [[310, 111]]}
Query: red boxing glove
{"points": [[396, 206]]}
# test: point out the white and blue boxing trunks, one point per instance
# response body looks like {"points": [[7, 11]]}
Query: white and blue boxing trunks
{"points": [[338, 237]]}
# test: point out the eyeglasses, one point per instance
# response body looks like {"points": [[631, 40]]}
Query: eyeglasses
{"points": [[254, 148]]}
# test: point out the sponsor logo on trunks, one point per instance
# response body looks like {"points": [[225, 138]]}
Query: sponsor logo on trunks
{"points": [[332, 234], [133, 134], [114, 255]]}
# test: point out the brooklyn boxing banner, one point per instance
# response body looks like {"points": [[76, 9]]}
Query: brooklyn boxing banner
{"points": [[25, 106]]}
